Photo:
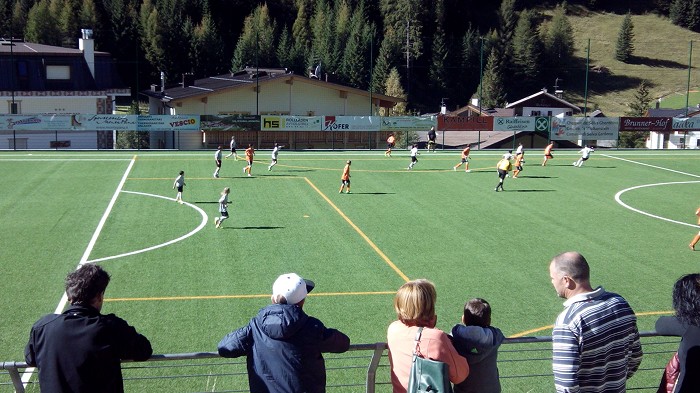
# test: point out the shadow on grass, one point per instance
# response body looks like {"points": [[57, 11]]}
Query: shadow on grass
{"points": [[372, 193], [538, 177], [253, 228], [530, 190], [599, 167], [301, 170], [647, 61], [205, 202]]}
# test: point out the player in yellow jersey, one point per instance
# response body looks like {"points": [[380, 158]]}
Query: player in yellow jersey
{"points": [[465, 159], [697, 237], [503, 167]]}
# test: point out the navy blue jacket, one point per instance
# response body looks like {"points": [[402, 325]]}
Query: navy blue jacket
{"points": [[283, 346], [80, 350]]}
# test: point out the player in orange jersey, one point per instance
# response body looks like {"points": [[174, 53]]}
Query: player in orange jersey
{"points": [[249, 153], [390, 143], [697, 237], [465, 159], [548, 153], [345, 178], [519, 160]]}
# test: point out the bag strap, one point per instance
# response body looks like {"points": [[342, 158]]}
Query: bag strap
{"points": [[416, 351]]}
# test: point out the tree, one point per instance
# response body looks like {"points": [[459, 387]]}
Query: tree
{"points": [[508, 20], [384, 60], [559, 39], [493, 91], [437, 73], [323, 40], [527, 51], [642, 100], [42, 26], [133, 139], [301, 38], [207, 49], [394, 88], [625, 45], [470, 64], [256, 44], [68, 21]]}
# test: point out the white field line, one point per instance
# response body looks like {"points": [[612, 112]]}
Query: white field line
{"points": [[205, 219], [64, 298], [619, 194]]}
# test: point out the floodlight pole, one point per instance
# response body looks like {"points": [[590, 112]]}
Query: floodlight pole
{"points": [[588, 58], [690, 66]]}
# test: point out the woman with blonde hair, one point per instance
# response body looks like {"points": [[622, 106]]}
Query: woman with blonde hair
{"points": [[415, 307]]}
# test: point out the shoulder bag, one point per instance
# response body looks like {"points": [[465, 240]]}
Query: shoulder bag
{"points": [[427, 375]]}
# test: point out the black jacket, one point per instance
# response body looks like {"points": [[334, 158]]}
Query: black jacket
{"points": [[80, 350], [688, 352], [283, 346]]}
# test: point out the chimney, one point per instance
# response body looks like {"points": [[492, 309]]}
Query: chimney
{"points": [[87, 45], [187, 79]]}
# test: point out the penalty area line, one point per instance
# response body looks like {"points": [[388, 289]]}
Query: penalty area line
{"points": [[64, 298]]}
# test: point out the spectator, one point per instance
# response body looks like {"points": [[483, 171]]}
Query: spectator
{"points": [[686, 323], [478, 341], [283, 345], [595, 340], [415, 306], [80, 350]]}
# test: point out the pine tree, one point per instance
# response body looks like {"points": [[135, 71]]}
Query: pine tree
{"points": [[508, 20], [301, 37], [642, 100], [42, 26], [355, 58], [383, 62], [256, 44], [625, 45], [527, 51], [559, 40], [394, 88], [207, 51], [68, 19], [493, 90], [678, 12], [470, 64], [323, 39]]}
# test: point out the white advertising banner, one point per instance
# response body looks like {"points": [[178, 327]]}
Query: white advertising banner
{"points": [[351, 123], [574, 128], [408, 123], [83, 122], [514, 123], [686, 123], [290, 123]]}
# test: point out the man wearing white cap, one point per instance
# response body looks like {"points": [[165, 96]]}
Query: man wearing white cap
{"points": [[283, 345]]}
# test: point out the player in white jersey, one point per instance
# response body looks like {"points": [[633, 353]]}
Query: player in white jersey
{"points": [[232, 145], [179, 184], [275, 153], [223, 207], [585, 153], [414, 157], [217, 159]]}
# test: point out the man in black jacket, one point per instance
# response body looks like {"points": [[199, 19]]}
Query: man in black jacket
{"points": [[283, 345], [80, 350]]}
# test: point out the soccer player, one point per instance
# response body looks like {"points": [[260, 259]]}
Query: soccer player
{"points": [[548, 153], [223, 207], [345, 178], [519, 160], [585, 153], [390, 142], [232, 144], [697, 237], [414, 157], [465, 159], [179, 184], [503, 167], [249, 153], [432, 135], [275, 152], [508, 155], [519, 150], [217, 159]]}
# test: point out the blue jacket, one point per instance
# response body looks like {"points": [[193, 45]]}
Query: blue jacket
{"points": [[480, 346], [283, 346]]}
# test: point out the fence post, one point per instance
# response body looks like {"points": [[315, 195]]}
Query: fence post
{"points": [[372, 369]]}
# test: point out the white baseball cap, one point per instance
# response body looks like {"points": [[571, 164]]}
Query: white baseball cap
{"points": [[292, 287]]}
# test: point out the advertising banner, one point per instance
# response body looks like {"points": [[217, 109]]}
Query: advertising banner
{"points": [[459, 123], [230, 123], [351, 123], [408, 123], [514, 124], [658, 124], [574, 128], [290, 123], [82, 122], [686, 123]]}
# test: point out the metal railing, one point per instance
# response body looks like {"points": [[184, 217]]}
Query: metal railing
{"points": [[524, 365]]}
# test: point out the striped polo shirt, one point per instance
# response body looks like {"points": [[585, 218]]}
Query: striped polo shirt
{"points": [[595, 344]]}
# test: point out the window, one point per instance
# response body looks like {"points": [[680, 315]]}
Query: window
{"points": [[58, 72]]}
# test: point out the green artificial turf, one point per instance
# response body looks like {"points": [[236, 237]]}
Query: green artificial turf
{"points": [[431, 222]]}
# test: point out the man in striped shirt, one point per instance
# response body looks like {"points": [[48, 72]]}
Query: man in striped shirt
{"points": [[595, 340]]}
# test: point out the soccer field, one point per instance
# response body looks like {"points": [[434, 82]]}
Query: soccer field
{"points": [[185, 284]]}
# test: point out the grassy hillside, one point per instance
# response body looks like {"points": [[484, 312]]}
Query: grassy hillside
{"points": [[661, 57]]}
